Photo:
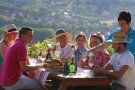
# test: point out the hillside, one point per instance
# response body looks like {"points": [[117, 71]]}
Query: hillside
{"points": [[73, 15]]}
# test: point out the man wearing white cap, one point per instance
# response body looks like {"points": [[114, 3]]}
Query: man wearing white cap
{"points": [[122, 63]]}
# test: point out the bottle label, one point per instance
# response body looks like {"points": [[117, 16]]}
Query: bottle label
{"points": [[72, 68]]}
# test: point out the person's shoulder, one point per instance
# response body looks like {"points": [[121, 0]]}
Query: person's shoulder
{"points": [[18, 44], [70, 45], [133, 30], [117, 30], [129, 54], [111, 34], [114, 54]]}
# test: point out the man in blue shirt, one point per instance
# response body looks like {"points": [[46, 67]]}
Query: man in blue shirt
{"points": [[124, 21]]}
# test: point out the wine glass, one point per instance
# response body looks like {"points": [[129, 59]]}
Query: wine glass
{"points": [[90, 62], [84, 56], [57, 55], [49, 44]]}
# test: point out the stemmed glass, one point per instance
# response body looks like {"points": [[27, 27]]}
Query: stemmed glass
{"points": [[49, 44], [91, 55]]}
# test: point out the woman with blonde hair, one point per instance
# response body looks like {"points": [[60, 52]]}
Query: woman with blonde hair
{"points": [[8, 37]]}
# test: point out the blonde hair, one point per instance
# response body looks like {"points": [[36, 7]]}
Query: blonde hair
{"points": [[81, 34], [5, 38]]}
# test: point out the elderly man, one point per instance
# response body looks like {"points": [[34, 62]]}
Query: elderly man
{"points": [[15, 61], [122, 63]]}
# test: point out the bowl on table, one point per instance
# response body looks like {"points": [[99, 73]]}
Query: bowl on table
{"points": [[54, 65]]}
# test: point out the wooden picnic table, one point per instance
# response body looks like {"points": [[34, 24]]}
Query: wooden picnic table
{"points": [[61, 82]]}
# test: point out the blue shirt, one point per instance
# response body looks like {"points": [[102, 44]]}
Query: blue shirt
{"points": [[130, 37], [79, 54]]}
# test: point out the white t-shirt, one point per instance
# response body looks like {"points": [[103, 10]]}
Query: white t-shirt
{"points": [[66, 52], [125, 58]]}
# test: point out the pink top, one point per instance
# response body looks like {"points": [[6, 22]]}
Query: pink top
{"points": [[100, 58], [11, 70]]}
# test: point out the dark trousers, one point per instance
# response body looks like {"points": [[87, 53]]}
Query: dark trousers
{"points": [[1, 88], [116, 86]]}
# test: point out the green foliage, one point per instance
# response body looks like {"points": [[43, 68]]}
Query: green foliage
{"points": [[110, 50], [39, 47], [1, 31], [42, 33], [72, 15]]}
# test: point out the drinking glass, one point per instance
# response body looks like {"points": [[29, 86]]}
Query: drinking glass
{"points": [[57, 55]]}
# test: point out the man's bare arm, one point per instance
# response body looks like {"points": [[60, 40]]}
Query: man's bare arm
{"points": [[26, 67]]}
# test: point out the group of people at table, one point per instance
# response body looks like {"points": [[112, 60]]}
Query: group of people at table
{"points": [[14, 61]]}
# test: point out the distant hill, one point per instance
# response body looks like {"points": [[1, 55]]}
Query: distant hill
{"points": [[73, 15]]}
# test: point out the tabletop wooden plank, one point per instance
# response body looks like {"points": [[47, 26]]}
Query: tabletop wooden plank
{"points": [[101, 81]]}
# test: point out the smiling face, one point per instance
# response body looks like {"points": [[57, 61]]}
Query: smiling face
{"points": [[62, 40], [124, 25], [116, 47], [119, 47], [94, 42], [11, 37], [81, 42]]}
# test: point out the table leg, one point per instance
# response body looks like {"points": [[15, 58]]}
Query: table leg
{"points": [[104, 88], [62, 86]]}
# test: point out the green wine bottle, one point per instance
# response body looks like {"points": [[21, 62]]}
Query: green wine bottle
{"points": [[66, 68], [72, 66]]}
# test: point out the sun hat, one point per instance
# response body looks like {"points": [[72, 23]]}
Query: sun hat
{"points": [[60, 32], [10, 28], [118, 37], [81, 34]]}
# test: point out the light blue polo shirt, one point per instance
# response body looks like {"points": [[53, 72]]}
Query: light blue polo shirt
{"points": [[79, 54], [130, 37]]}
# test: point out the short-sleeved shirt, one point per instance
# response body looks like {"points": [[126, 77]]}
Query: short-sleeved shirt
{"points": [[125, 58], [67, 51], [79, 54], [11, 69], [130, 37]]}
